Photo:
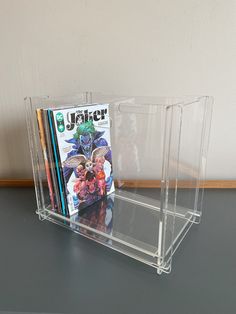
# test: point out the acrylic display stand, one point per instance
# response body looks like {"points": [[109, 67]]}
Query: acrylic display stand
{"points": [[159, 148]]}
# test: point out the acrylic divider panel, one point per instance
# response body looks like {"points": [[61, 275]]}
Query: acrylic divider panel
{"points": [[159, 148]]}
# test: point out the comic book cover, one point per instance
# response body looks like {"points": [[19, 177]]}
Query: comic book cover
{"points": [[84, 148]]}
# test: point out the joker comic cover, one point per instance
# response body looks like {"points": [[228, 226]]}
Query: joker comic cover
{"points": [[84, 148]]}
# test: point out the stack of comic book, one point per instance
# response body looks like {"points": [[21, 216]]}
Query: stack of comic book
{"points": [[77, 154]]}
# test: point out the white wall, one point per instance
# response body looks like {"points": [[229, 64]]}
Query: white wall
{"points": [[151, 47]]}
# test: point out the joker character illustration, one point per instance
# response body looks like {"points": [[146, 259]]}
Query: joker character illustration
{"points": [[85, 141], [91, 175]]}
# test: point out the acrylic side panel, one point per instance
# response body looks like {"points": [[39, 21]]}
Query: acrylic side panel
{"points": [[138, 130], [190, 126], [193, 150]]}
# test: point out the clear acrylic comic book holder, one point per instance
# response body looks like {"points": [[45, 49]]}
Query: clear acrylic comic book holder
{"points": [[159, 148]]}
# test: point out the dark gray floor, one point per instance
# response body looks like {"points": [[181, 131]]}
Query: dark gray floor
{"points": [[45, 268]]}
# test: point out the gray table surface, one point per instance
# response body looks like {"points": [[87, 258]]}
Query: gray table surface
{"points": [[45, 268]]}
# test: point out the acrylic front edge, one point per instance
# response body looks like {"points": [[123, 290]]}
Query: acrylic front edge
{"points": [[172, 136], [207, 117], [33, 151]]}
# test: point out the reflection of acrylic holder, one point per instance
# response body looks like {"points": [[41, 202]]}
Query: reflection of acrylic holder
{"points": [[159, 148]]}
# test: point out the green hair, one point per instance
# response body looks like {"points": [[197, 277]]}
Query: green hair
{"points": [[84, 128]]}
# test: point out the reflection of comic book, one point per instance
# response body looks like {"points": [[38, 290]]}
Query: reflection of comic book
{"points": [[98, 216], [84, 148]]}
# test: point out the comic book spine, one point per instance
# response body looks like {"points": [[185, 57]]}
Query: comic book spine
{"points": [[62, 193], [52, 162], [39, 113]]}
